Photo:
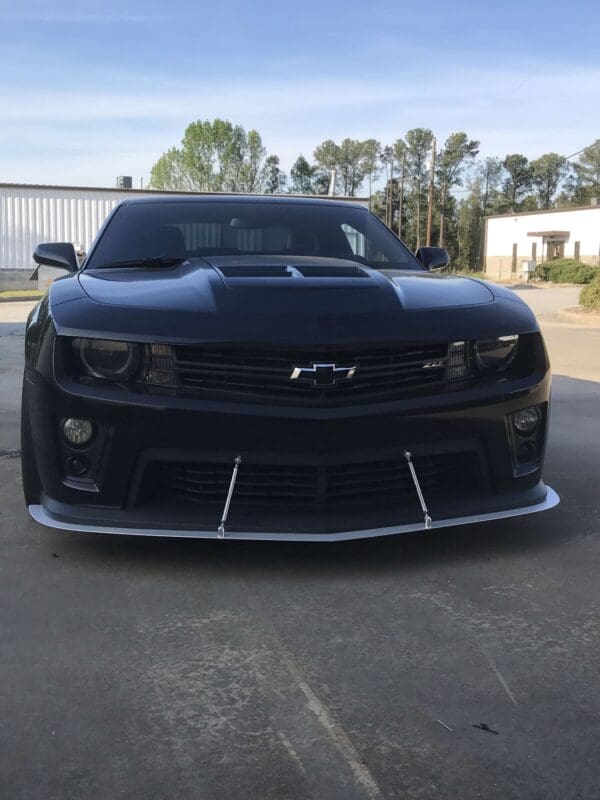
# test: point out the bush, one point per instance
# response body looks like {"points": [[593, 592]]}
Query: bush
{"points": [[565, 270], [590, 295]]}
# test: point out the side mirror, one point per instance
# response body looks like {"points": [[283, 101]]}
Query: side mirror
{"points": [[433, 257], [57, 254]]}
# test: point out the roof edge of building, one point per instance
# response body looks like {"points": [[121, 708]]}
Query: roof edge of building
{"points": [[543, 211], [126, 192]]}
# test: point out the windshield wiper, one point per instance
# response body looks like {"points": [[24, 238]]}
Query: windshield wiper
{"points": [[155, 261]]}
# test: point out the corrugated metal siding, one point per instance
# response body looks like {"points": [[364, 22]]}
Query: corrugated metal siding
{"points": [[30, 215], [33, 214]]}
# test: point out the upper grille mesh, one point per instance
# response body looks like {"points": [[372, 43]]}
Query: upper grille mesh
{"points": [[263, 374]]}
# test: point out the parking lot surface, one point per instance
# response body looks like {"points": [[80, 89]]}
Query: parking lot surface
{"points": [[459, 664]]}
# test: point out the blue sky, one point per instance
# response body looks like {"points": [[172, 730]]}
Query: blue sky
{"points": [[92, 90]]}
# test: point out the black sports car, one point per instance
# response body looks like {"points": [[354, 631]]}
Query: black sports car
{"points": [[276, 368]]}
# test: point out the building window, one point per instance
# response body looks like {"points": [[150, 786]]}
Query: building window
{"points": [[514, 258], [534, 251], [577, 249]]}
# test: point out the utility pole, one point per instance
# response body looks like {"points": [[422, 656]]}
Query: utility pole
{"points": [[430, 198], [387, 197], [401, 195], [391, 193]]}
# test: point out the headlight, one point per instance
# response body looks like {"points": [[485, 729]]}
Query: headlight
{"points": [[102, 358], [495, 354]]}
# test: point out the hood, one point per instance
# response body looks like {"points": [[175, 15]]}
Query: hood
{"points": [[296, 299], [297, 284]]}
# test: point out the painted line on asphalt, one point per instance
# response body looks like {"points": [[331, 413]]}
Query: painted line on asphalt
{"points": [[339, 738]]}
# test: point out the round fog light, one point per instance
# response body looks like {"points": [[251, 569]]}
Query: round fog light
{"points": [[77, 431], [527, 453], [77, 465], [526, 420]]}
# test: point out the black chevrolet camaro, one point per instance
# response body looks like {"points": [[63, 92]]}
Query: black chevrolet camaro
{"points": [[276, 368]]}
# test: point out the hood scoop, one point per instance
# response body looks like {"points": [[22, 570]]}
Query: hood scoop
{"points": [[319, 271], [304, 271], [252, 271]]}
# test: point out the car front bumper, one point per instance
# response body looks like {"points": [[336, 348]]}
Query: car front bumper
{"points": [[44, 517], [136, 433]]}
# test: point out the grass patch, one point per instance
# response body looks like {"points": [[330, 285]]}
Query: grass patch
{"points": [[10, 294], [590, 295]]}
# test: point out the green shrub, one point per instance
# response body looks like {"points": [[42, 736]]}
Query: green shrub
{"points": [[590, 295], [565, 270]]}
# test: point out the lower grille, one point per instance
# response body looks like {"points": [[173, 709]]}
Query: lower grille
{"points": [[348, 484]]}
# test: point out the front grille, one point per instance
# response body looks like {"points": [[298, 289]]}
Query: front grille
{"points": [[259, 374], [310, 485]]}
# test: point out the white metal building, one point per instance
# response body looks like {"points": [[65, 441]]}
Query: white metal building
{"points": [[30, 214], [511, 239]]}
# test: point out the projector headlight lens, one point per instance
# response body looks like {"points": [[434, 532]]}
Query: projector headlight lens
{"points": [[103, 358], [526, 420], [495, 355], [78, 431]]}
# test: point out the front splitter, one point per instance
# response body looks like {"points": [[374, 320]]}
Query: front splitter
{"points": [[40, 514]]}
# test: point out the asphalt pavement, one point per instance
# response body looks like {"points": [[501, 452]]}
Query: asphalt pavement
{"points": [[459, 664]]}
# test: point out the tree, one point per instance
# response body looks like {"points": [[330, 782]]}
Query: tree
{"points": [[399, 154], [457, 150], [370, 161], [214, 156], [469, 225], [274, 178], [418, 145], [518, 180], [587, 174], [485, 187], [327, 156], [170, 174], [547, 171], [387, 159], [302, 175], [250, 164], [490, 171], [349, 161]]}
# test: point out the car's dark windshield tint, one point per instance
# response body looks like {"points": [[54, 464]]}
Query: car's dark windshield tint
{"points": [[182, 230]]}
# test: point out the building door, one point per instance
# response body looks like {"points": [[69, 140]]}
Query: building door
{"points": [[555, 250]]}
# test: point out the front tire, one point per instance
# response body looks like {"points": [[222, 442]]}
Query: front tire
{"points": [[32, 487]]}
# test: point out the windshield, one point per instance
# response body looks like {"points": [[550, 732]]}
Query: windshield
{"points": [[166, 232]]}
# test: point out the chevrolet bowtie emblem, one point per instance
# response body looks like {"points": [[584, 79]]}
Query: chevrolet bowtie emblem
{"points": [[322, 374]]}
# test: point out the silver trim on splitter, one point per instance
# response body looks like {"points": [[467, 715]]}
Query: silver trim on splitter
{"points": [[40, 514]]}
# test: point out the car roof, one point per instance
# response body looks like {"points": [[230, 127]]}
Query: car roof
{"points": [[239, 198]]}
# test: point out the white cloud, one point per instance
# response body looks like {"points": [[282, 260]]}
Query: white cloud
{"points": [[91, 134]]}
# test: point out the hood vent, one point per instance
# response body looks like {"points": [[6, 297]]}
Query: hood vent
{"points": [[291, 271], [332, 272], [274, 271]]}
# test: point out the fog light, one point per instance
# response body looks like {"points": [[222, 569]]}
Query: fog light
{"points": [[77, 465], [527, 453], [78, 431], [526, 420]]}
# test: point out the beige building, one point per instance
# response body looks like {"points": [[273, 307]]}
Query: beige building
{"points": [[511, 239]]}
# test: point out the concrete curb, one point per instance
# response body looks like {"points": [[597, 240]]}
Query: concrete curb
{"points": [[580, 316]]}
